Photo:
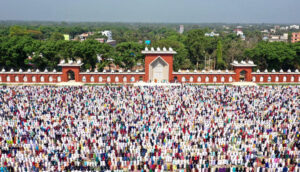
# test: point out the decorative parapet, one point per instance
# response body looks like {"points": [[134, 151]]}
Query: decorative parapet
{"points": [[70, 63], [159, 51], [281, 72], [211, 72], [243, 63], [20, 71]]}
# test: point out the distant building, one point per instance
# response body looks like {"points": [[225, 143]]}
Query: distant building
{"points": [[295, 37], [294, 27], [83, 36], [276, 27], [265, 31], [272, 30], [101, 40], [284, 28], [240, 33], [181, 29], [212, 34], [108, 34], [66, 37], [279, 38]]}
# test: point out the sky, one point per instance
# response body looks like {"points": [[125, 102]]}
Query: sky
{"points": [[153, 11]]}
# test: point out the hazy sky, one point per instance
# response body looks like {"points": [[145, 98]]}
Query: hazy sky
{"points": [[178, 11]]}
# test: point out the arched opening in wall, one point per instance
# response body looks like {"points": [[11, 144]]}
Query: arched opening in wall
{"points": [[261, 79], [8, 78], [100, 79], [71, 75], [199, 79], [175, 79], [141, 78], [292, 79], [191, 79], [116, 79], [33, 79], [83, 79], [243, 74], [132, 79], [207, 79], [17, 79], [183, 79], [284, 79], [125, 79], [42, 79], [215, 79], [108, 79], [222, 79], [253, 79], [92, 79], [276, 79], [269, 79]]}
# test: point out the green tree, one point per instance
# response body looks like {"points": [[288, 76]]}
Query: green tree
{"points": [[128, 54], [56, 36], [220, 62], [273, 55]]}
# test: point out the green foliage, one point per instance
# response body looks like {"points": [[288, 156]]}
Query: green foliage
{"points": [[17, 42], [220, 62], [275, 55], [56, 36], [128, 54]]}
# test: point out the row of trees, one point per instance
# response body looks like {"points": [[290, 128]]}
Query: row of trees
{"points": [[193, 48]]}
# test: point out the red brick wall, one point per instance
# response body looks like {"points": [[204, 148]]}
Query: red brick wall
{"points": [[75, 69], [248, 70], [151, 57]]}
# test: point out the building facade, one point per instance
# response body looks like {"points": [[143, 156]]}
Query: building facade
{"points": [[158, 68], [295, 37]]}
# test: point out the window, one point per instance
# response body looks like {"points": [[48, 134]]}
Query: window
{"points": [[199, 79], [292, 79], [83, 79], [125, 79], [92, 79], [132, 79], [42, 79], [8, 78], [261, 79], [191, 79], [100, 79], [116, 79], [0, 79], [33, 79], [108, 79], [183, 79], [222, 79], [207, 79], [17, 79], [269, 79], [25, 79], [284, 79], [59, 79], [253, 78], [276, 79], [50, 79], [230, 79], [215, 79]]}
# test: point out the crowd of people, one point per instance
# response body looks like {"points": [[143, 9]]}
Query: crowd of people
{"points": [[182, 128]]}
